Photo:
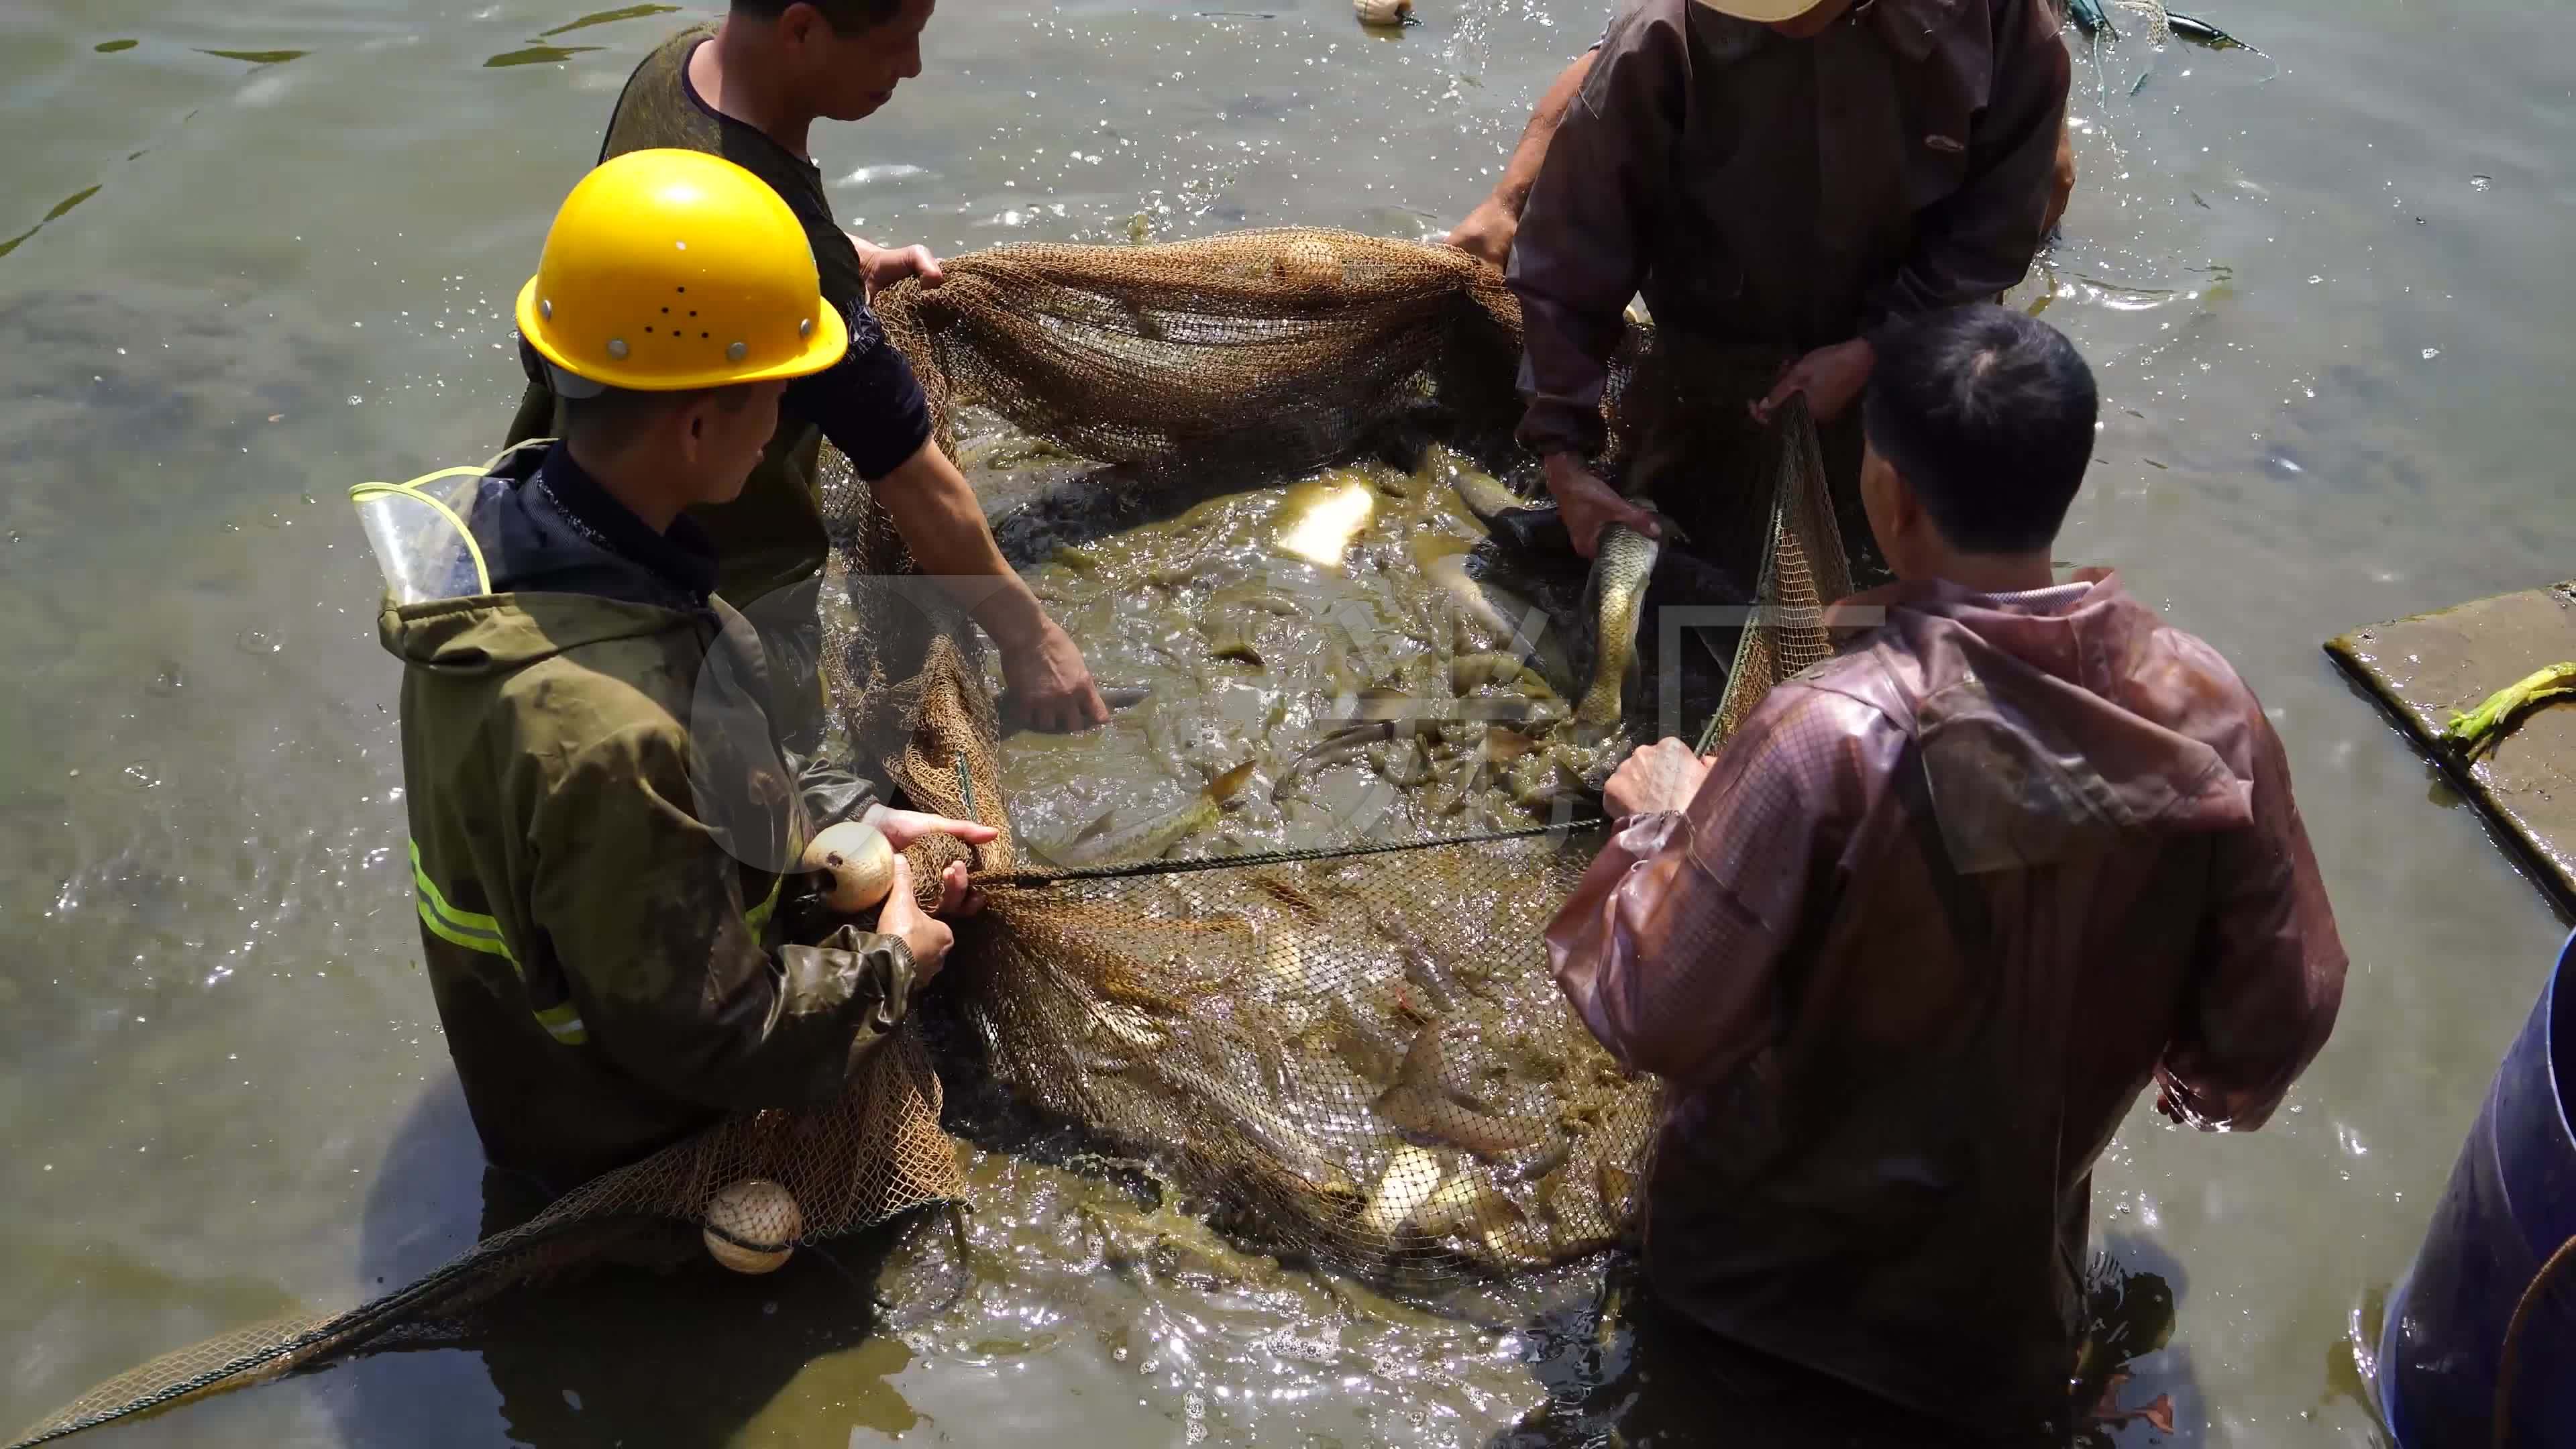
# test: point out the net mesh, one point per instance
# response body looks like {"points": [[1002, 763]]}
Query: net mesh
{"points": [[1356, 1056]]}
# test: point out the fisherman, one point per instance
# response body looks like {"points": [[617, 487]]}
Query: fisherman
{"points": [[1487, 231], [749, 88], [1911, 944], [605, 832], [1782, 179]]}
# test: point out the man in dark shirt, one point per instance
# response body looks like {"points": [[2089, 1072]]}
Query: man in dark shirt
{"points": [[750, 89], [1488, 230], [1778, 188]]}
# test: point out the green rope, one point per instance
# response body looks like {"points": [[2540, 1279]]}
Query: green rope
{"points": [[1029, 880]]}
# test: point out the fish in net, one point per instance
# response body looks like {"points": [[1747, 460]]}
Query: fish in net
{"points": [[1355, 1055]]}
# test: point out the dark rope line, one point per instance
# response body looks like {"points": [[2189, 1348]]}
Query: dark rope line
{"points": [[1037, 879]]}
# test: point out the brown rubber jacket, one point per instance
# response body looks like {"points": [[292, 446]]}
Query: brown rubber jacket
{"points": [[1941, 910], [1782, 193], [604, 836]]}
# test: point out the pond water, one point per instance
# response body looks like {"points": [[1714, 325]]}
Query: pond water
{"points": [[268, 250]]}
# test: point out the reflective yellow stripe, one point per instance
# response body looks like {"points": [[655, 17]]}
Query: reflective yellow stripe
{"points": [[465, 928], [563, 1023], [467, 940], [482, 933]]}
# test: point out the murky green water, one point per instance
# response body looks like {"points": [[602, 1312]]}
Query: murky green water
{"points": [[2325, 292]]}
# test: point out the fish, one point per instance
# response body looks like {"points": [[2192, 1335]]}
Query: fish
{"points": [[1408, 1179], [1279, 955], [1149, 839], [1466, 1199], [1469, 672], [1615, 600], [1380, 703], [1254, 598], [1341, 747], [1374, 1054], [1439, 989], [2201, 32], [1283, 1141], [1515, 625], [1483, 493], [1441, 1117], [1116, 696], [1521, 525], [1340, 679], [1229, 635], [1407, 767], [1517, 1243], [1319, 519]]}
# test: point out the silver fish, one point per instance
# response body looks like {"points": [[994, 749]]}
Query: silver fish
{"points": [[1343, 746], [1286, 1144], [1518, 626], [1484, 495], [1148, 839]]}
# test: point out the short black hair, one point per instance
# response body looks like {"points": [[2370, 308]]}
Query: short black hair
{"points": [[846, 17], [1989, 414], [608, 416]]}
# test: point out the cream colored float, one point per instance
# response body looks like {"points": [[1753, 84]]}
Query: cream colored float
{"points": [[1383, 12], [752, 1226], [858, 862]]}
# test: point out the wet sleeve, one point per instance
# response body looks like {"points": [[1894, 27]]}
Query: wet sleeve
{"points": [[2270, 968], [1671, 947], [1581, 249], [1977, 242], [645, 912], [869, 403]]}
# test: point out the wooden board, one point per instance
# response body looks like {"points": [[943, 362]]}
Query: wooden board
{"points": [[2422, 669]]}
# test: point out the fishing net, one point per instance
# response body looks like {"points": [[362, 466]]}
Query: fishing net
{"points": [[1355, 1056]]}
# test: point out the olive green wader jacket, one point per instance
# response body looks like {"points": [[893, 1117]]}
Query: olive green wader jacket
{"points": [[603, 835]]}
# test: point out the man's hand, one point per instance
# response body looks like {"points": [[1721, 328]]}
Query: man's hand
{"points": [[1661, 776], [1830, 377], [957, 899], [1488, 231], [927, 936], [885, 266], [1048, 687], [902, 827], [1587, 504]]}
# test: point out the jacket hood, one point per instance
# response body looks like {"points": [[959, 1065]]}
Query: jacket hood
{"points": [[2046, 722], [498, 633], [552, 581]]}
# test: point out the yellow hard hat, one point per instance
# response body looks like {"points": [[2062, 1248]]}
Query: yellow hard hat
{"points": [[668, 270]]}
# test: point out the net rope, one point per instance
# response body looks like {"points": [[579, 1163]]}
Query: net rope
{"points": [[1353, 1055]]}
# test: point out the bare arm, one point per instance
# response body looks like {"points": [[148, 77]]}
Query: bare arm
{"points": [[1488, 230], [935, 509]]}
